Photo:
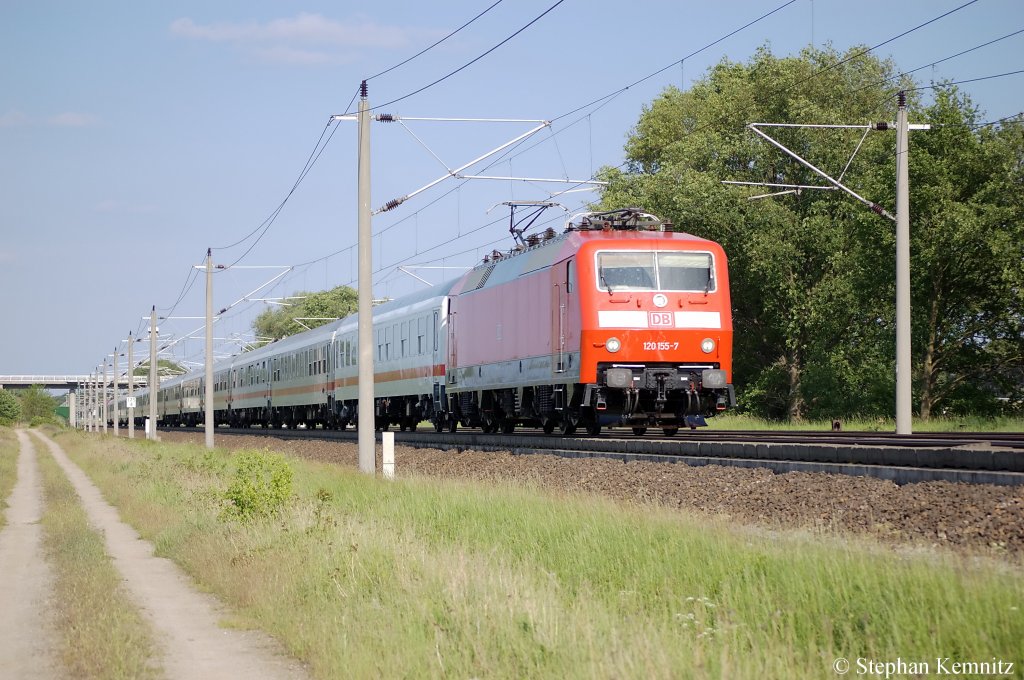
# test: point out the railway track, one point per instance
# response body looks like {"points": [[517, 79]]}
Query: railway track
{"points": [[976, 458]]}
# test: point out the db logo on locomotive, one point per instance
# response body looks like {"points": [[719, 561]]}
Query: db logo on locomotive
{"points": [[661, 319]]}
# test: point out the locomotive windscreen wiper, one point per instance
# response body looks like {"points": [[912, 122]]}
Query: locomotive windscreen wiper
{"points": [[605, 282]]}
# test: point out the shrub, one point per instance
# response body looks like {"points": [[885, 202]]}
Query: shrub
{"points": [[10, 408], [262, 484]]}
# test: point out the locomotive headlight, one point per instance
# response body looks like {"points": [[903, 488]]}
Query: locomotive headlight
{"points": [[612, 345], [707, 345]]}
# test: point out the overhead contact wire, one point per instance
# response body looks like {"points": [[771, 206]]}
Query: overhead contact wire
{"points": [[471, 62]]}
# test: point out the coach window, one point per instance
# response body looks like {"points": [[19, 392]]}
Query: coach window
{"points": [[570, 276]]}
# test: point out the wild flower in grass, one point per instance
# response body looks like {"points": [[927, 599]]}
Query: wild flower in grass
{"points": [[701, 619]]}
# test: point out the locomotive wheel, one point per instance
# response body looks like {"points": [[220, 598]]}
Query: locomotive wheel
{"points": [[670, 431], [567, 426], [594, 429], [549, 426], [453, 425], [508, 427], [438, 425], [640, 431]]}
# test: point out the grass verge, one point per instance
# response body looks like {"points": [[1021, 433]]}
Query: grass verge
{"points": [[104, 635], [427, 578], [8, 469], [733, 421]]}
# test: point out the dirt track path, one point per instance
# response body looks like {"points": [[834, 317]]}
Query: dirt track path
{"points": [[27, 637], [185, 620]]}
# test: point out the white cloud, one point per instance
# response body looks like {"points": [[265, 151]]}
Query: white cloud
{"points": [[13, 119], [71, 119], [302, 30]]}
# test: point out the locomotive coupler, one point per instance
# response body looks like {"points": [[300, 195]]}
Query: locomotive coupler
{"points": [[662, 398]]}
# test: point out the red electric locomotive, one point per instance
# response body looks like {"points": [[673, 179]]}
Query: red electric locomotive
{"points": [[618, 321]]}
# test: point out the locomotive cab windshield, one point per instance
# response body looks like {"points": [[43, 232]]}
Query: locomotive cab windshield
{"points": [[655, 271]]}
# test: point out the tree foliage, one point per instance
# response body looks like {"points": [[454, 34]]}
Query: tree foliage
{"points": [[38, 404], [164, 367], [813, 273], [10, 408], [311, 310]]}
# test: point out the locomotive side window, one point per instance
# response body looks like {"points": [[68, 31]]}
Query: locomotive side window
{"points": [[667, 270]]}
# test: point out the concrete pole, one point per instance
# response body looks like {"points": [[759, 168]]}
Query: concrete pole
{"points": [[904, 373], [154, 380], [114, 392], [131, 386], [103, 396], [72, 410], [88, 404], [366, 422], [208, 393]]}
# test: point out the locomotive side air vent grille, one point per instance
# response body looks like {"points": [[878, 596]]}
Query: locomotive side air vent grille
{"points": [[483, 279]]}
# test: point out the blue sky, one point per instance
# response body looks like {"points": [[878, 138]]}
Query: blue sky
{"points": [[134, 135]]}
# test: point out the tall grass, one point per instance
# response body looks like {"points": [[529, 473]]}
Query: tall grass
{"points": [[427, 578], [103, 634], [734, 421], [8, 469]]}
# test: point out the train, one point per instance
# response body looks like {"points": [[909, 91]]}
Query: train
{"points": [[617, 321]]}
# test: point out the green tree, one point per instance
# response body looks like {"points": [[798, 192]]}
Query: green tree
{"points": [[10, 408], [38, 403], [967, 225], [803, 269], [312, 310], [165, 367], [812, 273]]}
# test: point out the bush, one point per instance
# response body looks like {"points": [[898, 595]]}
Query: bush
{"points": [[262, 484], [10, 408], [37, 403]]}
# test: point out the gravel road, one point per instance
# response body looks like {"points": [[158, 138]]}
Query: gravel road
{"points": [[966, 518], [192, 642], [28, 639]]}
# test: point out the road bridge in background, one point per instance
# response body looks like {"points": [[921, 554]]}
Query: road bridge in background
{"points": [[60, 382]]}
